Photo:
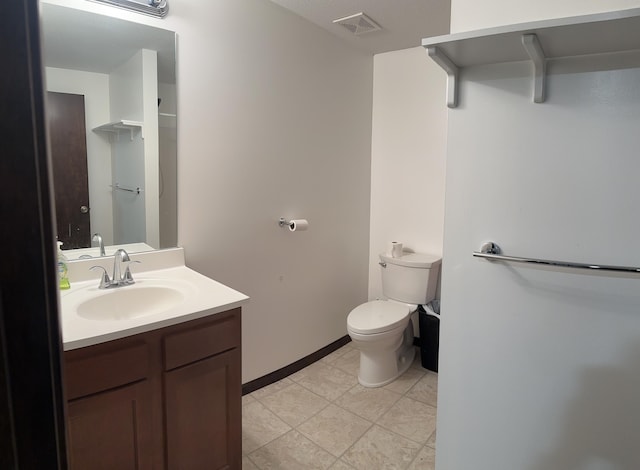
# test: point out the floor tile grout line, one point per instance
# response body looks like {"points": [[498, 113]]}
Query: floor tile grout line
{"points": [[430, 436], [356, 441], [363, 435], [416, 457], [303, 435], [270, 441], [371, 424], [337, 398], [422, 444], [334, 399], [288, 386]]}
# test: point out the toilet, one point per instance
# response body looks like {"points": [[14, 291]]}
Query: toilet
{"points": [[382, 329]]}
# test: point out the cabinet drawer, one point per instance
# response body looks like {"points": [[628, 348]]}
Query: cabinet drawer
{"points": [[98, 368], [218, 334]]}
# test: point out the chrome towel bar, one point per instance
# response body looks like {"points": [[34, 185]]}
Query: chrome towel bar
{"points": [[491, 251], [129, 190]]}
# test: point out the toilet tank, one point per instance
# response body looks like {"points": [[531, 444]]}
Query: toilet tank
{"points": [[411, 279]]}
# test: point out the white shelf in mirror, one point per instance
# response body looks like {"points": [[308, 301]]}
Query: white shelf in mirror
{"points": [[124, 125], [601, 33]]}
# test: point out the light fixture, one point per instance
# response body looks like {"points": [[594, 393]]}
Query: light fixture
{"points": [[157, 8]]}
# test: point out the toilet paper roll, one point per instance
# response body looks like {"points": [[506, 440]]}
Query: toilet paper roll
{"points": [[299, 225], [396, 249]]}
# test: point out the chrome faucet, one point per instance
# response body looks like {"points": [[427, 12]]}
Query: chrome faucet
{"points": [[119, 279], [120, 256], [98, 238]]}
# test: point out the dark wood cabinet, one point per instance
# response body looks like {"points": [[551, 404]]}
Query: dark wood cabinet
{"points": [[195, 396], [165, 399], [111, 429]]}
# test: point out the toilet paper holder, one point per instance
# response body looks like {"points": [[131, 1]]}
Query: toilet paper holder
{"points": [[295, 225], [282, 222]]}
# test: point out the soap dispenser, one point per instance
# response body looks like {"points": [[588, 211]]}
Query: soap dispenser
{"points": [[63, 277]]}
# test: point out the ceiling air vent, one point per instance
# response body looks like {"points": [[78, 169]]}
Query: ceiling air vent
{"points": [[358, 24]]}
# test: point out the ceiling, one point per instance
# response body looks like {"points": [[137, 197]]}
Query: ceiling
{"points": [[80, 40], [404, 22], [84, 41]]}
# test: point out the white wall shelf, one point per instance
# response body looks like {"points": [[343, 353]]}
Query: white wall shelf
{"points": [[124, 125], [602, 33]]}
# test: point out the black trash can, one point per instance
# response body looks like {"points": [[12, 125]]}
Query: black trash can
{"points": [[429, 321]]}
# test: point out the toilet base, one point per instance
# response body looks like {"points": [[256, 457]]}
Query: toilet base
{"points": [[383, 363], [378, 377]]}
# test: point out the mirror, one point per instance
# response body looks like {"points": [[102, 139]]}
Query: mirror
{"points": [[111, 108]]}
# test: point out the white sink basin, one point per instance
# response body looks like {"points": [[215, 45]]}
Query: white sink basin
{"points": [[125, 303], [145, 298]]}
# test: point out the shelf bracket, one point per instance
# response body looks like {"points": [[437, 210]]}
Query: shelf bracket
{"points": [[531, 44], [445, 63], [125, 128]]}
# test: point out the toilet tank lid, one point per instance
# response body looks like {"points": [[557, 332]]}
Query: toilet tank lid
{"points": [[413, 260]]}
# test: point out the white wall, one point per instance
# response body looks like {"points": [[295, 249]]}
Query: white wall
{"points": [[469, 15], [539, 367], [134, 96], [95, 88], [151, 147], [275, 120], [167, 153], [128, 154], [408, 151]]}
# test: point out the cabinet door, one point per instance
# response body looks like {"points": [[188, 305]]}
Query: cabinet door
{"points": [[111, 430], [203, 414]]}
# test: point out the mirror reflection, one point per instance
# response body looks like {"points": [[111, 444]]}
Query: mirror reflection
{"points": [[111, 108]]}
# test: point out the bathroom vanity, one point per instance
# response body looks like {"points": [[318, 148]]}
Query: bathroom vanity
{"points": [[160, 390]]}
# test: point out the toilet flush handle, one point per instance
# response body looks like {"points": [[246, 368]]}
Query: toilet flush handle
{"points": [[382, 263]]}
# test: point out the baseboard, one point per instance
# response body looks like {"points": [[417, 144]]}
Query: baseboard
{"points": [[294, 367]]}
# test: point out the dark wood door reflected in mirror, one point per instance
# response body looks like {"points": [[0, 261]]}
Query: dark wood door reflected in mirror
{"points": [[68, 147]]}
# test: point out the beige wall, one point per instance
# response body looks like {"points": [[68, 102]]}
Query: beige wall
{"points": [[274, 119]]}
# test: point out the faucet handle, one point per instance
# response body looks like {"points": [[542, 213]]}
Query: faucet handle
{"points": [[128, 278], [104, 280]]}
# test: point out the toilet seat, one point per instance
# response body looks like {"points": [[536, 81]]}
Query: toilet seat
{"points": [[377, 316]]}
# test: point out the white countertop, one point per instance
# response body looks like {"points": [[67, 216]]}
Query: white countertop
{"points": [[203, 297]]}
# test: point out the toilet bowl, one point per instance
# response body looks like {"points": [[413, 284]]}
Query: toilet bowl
{"points": [[383, 333], [382, 329]]}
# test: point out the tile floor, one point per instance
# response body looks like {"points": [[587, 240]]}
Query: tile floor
{"points": [[322, 418]]}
